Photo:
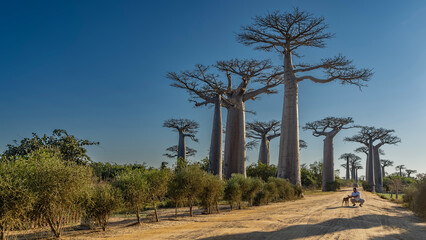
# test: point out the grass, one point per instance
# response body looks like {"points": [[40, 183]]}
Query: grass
{"points": [[387, 196], [316, 192]]}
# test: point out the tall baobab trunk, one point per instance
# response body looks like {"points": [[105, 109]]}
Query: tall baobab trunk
{"points": [[353, 172], [347, 169], [215, 156], [383, 171], [328, 164], [264, 151], [182, 146], [289, 160], [370, 167], [377, 170], [235, 138], [356, 175]]}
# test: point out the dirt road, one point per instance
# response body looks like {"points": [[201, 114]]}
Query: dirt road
{"points": [[314, 217]]}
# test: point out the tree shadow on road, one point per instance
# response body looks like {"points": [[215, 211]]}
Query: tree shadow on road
{"points": [[408, 223]]}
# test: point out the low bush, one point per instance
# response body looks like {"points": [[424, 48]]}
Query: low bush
{"points": [[332, 186]]}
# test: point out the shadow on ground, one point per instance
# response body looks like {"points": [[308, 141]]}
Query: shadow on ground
{"points": [[412, 230]]}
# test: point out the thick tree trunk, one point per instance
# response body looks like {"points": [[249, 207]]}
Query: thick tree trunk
{"points": [[347, 169], [328, 164], [371, 179], [181, 146], [356, 176], [264, 151], [353, 172], [215, 156], [289, 159], [235, 139], [378, 170]]}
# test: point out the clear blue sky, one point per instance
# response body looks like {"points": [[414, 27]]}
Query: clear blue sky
{"points": [[97, 69]]}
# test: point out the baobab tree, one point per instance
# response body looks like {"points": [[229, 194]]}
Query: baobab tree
{"points": [[349, 158], [265, 132], [185, 128], [410, 171], [328, 127], [205, 89], [286, 33], [364, 149], [368, 136], [354, 162], [357, 167], [172, 152], [385, 163], [399, 168], [247, 71]]}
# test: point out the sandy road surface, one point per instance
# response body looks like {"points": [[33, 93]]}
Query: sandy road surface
{"points": [[314, 217]]}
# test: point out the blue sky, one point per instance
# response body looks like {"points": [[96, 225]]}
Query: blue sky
{"points": [[97, 69]]}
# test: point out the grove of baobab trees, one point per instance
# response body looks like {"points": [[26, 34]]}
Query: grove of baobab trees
{"points": [[328, 127], [260, 131], [203, 84], [368, 136], [350, 159], [285, 33], [185, 128]]}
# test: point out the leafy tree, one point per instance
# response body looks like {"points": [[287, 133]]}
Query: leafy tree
{"points": [[16, 199], [109, 172], [261, 170], [233, 192], [58, 186], [212, 192], [256, 186], [133, 186], [191, 179], [104, 199], [307, 177], [285, 190], [71, 148], [157, 186]]}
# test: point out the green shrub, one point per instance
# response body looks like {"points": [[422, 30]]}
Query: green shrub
{"points": [[366, 186], [419, 205], [256, 185], [58, 186], [261, 170], [233, 192], [285, 190], [157, 181], [212, 192], [332, 186], [16, 199], [103, 201], [133, 186]]}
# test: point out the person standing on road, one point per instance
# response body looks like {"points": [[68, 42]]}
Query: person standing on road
{"points": [[356, 197]]}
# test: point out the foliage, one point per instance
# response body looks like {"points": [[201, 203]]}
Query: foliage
{"points": [[71, 148], [108, 172], [191, 179], [233, 191], [58, 186], [414, 197], [157, 186], [285, 190], [211, 193], [256, 185], [16, 199], [261, 170], [311, 177], [104, 199], [332, 186], [133, 186]]}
